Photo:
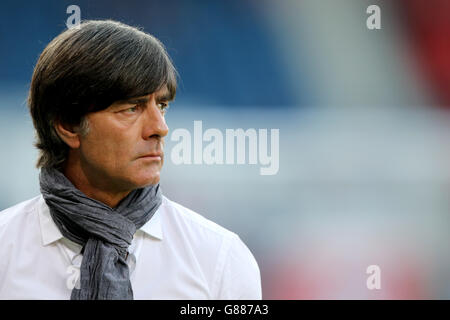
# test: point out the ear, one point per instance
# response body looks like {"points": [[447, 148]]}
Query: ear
{"points": [[69, 134]]}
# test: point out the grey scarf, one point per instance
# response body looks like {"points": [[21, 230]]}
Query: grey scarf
{"points": [[104, 233]]}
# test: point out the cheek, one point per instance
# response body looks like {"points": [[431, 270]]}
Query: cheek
{"points": [[107, 151]]}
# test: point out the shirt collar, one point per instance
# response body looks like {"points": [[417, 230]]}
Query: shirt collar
{"points": [[50, 232]]}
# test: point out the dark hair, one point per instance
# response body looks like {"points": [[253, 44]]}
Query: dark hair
{"points": [[86, 70]]}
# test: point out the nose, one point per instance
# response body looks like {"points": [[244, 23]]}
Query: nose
{"points": [[154, 121]]}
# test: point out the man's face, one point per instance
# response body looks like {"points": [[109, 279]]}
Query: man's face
{"points": [[123, 148]]}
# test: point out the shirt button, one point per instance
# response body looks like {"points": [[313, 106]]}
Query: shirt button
{"points": [[73, 281]]}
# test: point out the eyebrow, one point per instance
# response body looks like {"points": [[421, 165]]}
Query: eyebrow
{"points": [[166, 96], [134, 101]]}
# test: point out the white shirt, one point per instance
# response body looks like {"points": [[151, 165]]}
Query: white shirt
{"points": [[177, 254]]}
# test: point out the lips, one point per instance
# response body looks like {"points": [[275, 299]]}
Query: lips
{"points": [[154, 155]]}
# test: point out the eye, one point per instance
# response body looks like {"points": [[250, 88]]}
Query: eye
{"points": [[133, 109], [163, 106]]}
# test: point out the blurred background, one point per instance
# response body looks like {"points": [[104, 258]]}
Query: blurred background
{"points": [[363, 117]]}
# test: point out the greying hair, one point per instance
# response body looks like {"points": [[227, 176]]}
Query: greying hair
{"points": [[87, 69]]}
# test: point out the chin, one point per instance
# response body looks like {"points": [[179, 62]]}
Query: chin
{"points": [[146, 180], [143, 176]]}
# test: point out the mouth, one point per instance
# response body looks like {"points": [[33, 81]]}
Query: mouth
{"points": [[152, 156]]}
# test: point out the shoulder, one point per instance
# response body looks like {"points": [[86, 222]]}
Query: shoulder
{"points": [[19, 229], [193, 222], [18, 212], [237, 272]]}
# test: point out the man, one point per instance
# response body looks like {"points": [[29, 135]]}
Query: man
{"points": [[101, 229]]}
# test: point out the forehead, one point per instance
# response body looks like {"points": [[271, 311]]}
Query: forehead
{"points": [[162, 93]]}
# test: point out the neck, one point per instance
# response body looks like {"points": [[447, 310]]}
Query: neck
{"points": [[92, 185]]}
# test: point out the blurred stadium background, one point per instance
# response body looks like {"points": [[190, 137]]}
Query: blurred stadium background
{"points": [[363, 118]]}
